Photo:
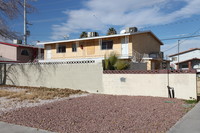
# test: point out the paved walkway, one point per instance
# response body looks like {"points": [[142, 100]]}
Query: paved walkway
{"points": [[11, 128], [190, 123]]}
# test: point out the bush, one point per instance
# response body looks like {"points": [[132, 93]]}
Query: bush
{"points": [[113, 63], [121, 65]]}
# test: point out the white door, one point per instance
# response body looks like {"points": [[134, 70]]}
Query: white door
{"points": [[48, 52], [124, 42]]}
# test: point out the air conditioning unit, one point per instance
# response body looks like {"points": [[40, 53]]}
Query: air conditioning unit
{"points": [[131, 29], [92, 34], [15, 41]]}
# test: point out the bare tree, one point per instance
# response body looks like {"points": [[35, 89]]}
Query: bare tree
{"points": [[9, 10]]}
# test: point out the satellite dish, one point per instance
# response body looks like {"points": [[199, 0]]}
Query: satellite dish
{"points": [[122, 31]]}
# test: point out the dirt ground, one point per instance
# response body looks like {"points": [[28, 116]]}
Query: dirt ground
{"points": [[101, 114], [14, 97]]}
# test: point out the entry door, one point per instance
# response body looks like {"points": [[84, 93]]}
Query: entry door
{"points": [[48, 52], [124, 42]]}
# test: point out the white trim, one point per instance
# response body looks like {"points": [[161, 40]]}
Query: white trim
{"points": [[82, 59], [99, 37], [77, 45], [48, 52], [100, 43], [65, 60]]}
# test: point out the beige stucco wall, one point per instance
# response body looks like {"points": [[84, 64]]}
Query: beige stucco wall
{"points": [[9, 52], [90, 77], [91, 49], [87, 77], [150, 85], [145, 43]]}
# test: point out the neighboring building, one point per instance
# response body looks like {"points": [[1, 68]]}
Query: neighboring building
{"points": [[19, 53], [135, 46], [189, 59]]}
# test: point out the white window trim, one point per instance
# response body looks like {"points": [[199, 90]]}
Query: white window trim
{"points": [[100, 43]]}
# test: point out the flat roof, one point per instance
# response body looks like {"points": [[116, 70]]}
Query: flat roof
{"points": [[100, 37], [19, 45], [184, 52]]}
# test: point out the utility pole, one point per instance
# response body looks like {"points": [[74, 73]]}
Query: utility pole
{"points": [[178, 52], [25, 24]]}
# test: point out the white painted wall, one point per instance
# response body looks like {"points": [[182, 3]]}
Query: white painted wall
{"points": [[185, 56], [150, 85], [9, 52]]}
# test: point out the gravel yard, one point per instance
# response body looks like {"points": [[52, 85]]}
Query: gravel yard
{"points": [[15, 97], [101, 114]]}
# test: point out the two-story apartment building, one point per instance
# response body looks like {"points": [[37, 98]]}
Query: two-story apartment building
{"points": [[189, 59], [18, 53], [134, 46]]}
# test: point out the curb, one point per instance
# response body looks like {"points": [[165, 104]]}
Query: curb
{"points": [[11, 128], [189, 123]]}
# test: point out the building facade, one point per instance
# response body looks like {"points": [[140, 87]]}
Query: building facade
{"points": [[136, 47], [19, 53], [189, 59]]}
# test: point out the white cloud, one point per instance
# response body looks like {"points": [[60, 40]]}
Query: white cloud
{"points": [[98, 14]]}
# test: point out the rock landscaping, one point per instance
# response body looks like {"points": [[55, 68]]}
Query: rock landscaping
{"points": [[96, 113]]}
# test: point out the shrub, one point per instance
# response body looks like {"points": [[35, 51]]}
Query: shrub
{"points": [[113, 63]]}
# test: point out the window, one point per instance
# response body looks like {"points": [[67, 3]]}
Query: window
{"points": [[174, 58], [74, 48], [24, 52], [107, 45], [185, 66], [61, 49]]}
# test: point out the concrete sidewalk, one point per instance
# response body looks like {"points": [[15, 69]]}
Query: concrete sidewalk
{"points": [[11, 128], [189, 123]]}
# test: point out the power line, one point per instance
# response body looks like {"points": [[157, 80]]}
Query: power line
{"points": [[173, 23], [170, 48], [100, 21], [180, 37], [192, 35]]}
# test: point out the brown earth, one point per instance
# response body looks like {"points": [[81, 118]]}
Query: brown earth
{"points": [[101, 114], [21, 93]]}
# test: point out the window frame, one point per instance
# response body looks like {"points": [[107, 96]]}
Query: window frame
{"points": [[106, 43], [61, 48], [74, 49], [24, 52], [184, 66]]}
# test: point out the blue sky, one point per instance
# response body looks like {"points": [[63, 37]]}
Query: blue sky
{"points": [[166, 18]]}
